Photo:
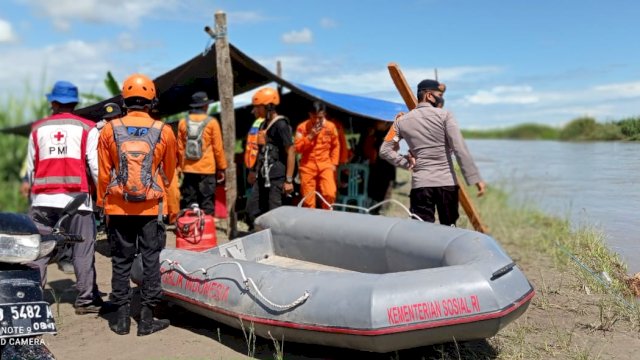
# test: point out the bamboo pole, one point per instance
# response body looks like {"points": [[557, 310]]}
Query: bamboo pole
{"points": [[227, 117]]}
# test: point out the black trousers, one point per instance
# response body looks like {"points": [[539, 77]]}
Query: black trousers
{"points": [[200, 189], [129, 235], [263, 199], [424, 202]]}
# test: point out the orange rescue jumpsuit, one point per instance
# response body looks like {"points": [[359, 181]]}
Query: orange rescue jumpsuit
{"points": [[320, 156], [195, 188], [345, 152]]}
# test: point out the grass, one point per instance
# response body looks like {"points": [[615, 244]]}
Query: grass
{"points": [[579, 129], [249, 337], [581, 265]]}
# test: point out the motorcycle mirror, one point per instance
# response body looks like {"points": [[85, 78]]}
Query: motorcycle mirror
{"points": [[70, 210], [73, 205]]}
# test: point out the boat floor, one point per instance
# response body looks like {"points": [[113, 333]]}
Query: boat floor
{"points": [[290, 263]]}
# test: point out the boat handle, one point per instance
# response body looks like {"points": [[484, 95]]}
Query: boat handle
{"points": [[503, 270]]}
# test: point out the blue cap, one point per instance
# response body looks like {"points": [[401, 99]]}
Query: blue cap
{"points": [[63, 92]]}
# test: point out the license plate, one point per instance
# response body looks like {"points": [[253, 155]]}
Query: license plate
{"points": [[29, 318]]}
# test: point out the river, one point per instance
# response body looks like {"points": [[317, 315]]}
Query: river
{"points": [[592, 183]]}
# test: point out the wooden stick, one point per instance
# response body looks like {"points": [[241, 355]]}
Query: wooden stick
{"points": [[410, 99], [227, 116]]}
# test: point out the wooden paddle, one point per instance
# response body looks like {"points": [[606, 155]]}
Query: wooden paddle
{"points": [[410, 99]]}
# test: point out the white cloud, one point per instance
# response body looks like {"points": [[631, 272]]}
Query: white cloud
{"points": [[626, 90], [126, 12], [246, 17], [379, 80], [83, 63], [126, 42], [6, 32], [504, 95], [328, 23], [298, 37]]}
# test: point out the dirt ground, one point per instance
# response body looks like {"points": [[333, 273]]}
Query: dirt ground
{"points": [[563, 321]]}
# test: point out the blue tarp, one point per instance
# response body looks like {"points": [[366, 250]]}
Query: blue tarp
{"points": [[356, 105]]}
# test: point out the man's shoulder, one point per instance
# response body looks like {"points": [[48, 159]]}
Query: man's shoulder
{"points": [[63, 116], [426, 111], [282, 122], [303, 125]]}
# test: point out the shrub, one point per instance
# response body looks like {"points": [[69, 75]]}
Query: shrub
{"points": [[579, 129]]}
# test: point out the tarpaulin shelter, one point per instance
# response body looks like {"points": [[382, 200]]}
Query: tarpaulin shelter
{"points": [[175, 88]]}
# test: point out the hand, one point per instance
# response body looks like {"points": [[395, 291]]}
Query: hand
{"points": [[287, 188], [314, 132], [481, 188], [220, 176], [411, 160], [251, 178], [25, 188]]}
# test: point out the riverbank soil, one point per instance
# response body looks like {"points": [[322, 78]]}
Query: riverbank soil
{"points": [[568, 318]]}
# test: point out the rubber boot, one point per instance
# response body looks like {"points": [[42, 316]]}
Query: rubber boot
{"points": [[122, 325], [149, 325]]}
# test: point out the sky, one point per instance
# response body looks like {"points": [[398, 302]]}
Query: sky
{"points": [[505, 62]]}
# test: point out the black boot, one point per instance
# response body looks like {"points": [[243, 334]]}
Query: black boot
{"points": [[122, 325], [149, 325]]}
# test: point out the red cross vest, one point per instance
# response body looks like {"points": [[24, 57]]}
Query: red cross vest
{"points": [[60, 143]]}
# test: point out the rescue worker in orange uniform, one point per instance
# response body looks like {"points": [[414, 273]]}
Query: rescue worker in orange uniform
{"points": [[201, 155], [128, 149], [318, 142], [173, 198], [345, 152]]}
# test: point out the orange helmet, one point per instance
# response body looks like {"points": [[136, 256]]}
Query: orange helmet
{"points": [[266, 96], [138, 85]]}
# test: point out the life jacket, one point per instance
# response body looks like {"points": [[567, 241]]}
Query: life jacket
{"points": [[252, 148], [60, 143], [195, 129], [134, 179]]}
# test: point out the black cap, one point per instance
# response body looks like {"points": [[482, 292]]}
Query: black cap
{"points": [[111, 110], [200, 99], [429, 84]]}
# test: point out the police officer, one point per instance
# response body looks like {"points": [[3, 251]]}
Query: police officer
{"points": [[433, 135]]}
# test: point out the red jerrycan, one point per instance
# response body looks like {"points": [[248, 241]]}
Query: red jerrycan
{"points": [[195, 230]]}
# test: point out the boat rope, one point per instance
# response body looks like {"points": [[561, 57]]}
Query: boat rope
{"points": [[606, 282], [360, 208], [248, 282]]}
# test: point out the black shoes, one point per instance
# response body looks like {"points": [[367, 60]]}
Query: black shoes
{"points": [[122, 325], [148, 325]]}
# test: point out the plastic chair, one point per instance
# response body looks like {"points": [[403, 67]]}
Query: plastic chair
{"points": [[357, 179]]}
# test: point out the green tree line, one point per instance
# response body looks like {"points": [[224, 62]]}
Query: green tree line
{"points": [[580, 129]]}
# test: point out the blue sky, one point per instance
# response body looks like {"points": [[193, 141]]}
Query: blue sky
{"points": [[504, 61]]}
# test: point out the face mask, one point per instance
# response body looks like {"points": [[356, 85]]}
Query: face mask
{"points": [[439, 101]]}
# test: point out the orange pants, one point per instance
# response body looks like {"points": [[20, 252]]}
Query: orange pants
{"points": [[321, 180], [173, 199]]}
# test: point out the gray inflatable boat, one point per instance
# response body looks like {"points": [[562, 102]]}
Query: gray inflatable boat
{"points": [[351, 280]]}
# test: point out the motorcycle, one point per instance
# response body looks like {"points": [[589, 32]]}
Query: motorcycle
{"points": [[24, 315]]}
